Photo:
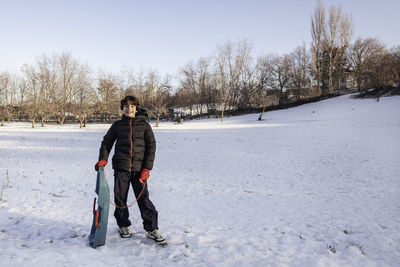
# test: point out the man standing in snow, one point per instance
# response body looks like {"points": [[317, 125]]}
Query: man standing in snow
{"points": [[132, 161]]}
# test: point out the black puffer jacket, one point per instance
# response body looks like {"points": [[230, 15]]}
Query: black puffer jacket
{"points": [[136, 146]]}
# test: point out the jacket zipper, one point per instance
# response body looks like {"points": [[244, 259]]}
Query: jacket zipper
{"points": [[131, 150]]}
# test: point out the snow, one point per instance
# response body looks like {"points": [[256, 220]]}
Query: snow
{"points": [[315, 185]]}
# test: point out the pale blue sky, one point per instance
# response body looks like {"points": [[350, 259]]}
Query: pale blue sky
{"points": [[165, 35]]}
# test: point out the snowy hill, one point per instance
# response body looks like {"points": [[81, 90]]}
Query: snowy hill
{"points": [[315, 185]]}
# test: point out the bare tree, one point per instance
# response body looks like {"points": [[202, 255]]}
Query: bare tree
{"points": [[109, 95], [263, 96], [318, 28], [132, 83], [183, 99], [363, 55], [157, 94], [190, 86], [206, 89], [47, 82], [395, 68], [138, 85], [247, 73], [222, 79], [32, 90], [379, 70], [299, 71], [231, 62], [336, 40], [151, 83], [67, 68], [331, 38], [7, 97], [161, 98], [346, 32], [281, 74], [196, 90], [84, 99], [21, 95]]}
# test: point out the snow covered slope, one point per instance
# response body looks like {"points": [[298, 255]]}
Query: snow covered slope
{"points": [[315, 185]]}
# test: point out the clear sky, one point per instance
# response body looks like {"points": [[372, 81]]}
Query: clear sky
{"points": [[165, 35]]}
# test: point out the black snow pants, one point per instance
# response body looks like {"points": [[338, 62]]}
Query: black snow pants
{"points": [[149, 214]]}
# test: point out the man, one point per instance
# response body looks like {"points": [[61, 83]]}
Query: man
{"points": [[132, 161]]}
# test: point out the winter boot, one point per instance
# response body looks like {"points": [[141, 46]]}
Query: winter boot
{"points": [[156, 236], [124, 232]]}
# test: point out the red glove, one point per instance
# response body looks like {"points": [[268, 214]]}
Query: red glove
{"points": [[144, 175], [101, 163]]}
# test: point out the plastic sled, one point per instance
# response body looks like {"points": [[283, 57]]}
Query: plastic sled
{"points": [[98, 232]]}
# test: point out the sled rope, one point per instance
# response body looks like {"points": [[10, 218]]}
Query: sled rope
{"points": [[141, 192]]}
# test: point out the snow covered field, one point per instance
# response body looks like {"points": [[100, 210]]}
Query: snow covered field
{"points": [[315, 185]]}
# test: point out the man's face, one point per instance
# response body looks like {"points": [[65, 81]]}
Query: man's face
{"points": [[129, 110]]}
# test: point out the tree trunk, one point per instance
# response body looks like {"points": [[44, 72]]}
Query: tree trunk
{"points": [[222, 113], [33, 123], [280, 95], [330, 73], [262, 112], [157, 120], [358, 79], [61, 120]]}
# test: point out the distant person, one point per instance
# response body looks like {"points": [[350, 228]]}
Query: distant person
{"points": [[132, 161]]}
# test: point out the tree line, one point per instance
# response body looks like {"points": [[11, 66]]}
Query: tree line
{"points": [[59, 87]]}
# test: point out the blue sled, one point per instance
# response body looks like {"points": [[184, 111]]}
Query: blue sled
{"points": [[98, 233]]}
